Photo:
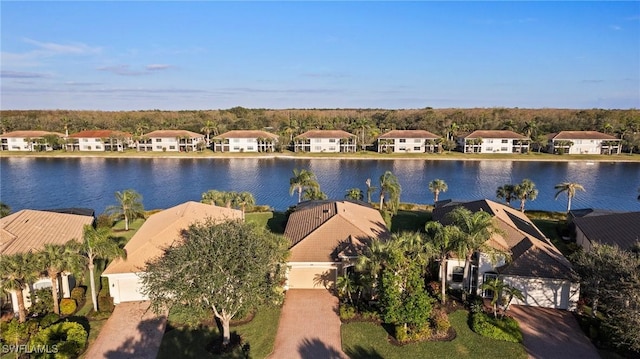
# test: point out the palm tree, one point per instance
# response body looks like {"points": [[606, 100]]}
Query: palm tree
{"points": [[354, 194], [53, 260], [207, 128], [17, 271], [506, 192], [436, 186], [5, 210], [313, 194], [97, 243], [525, 191], [390, 186], [496, 286], [301, 180], [570, 188], [443, 240], [242, 200], [511, 293], [129, 206], [344, 287], [370, 189]]}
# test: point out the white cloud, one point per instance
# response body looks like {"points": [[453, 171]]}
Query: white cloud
{"points": [[63, 49], [158, 67]]}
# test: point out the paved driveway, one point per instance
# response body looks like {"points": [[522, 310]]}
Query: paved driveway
{"points": [[552, 333], [309, 326], [132, 331]]}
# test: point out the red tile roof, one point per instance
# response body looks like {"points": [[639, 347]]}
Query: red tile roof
{"points": [[172, 134], [409, 134], [582, 135], [325, 134], [495, 134], [26, 134]]}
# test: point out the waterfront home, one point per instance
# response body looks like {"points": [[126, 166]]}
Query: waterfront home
{"points": [[532, 263], [29, 140], [621, 229], [245, 141], [325, 239], [493, 141], [27, 231], [583, 142], [404, 141], [159, 231], [325, 141], [98, 140], [171, 141]]}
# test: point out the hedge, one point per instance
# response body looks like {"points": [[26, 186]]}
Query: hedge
{"points": [[505, 328]]}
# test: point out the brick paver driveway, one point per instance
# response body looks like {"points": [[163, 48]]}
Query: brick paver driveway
{"points": [[552, 333], [309, 326], [132, 331]]}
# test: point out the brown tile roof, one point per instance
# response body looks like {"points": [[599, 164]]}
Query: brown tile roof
{"points": [[325, 134], [99, 134], [495, 134], [172, 134], [581, 135], [247, 134], [162, 229], [618, 229], [409, 134], [30, 134], [532, 254], [320, 231], [29, 230]]}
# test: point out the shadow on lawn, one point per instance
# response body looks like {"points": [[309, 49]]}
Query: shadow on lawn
{"points": [[360, 352], [315, 348]]}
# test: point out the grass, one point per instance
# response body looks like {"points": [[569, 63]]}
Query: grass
{"points": [[275, 221], [187, 342], [368, 340], [118, 229], [410, 220]]}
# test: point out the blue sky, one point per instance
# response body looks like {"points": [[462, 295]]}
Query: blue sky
{"points": [[216, 55]]}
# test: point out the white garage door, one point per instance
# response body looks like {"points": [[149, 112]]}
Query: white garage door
{"points": [[546, 293], [312, 278], [129, 290]]}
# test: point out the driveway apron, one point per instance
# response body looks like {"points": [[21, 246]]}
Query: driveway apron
{"points": [[132, 331], [309, 326], [551, 333]]}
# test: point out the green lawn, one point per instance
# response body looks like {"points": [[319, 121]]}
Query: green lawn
{"points": [[275, 221], [410, 221], [368, 340], [259, 334]]}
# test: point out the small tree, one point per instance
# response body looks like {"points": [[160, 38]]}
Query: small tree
{"points": [[390, 189], [5, 210], [570, 188], [17, 271], [354, 194], [371, 189], [53, 260], [244, 264], [436, 186], [129, 206], [302, 180], [506, 192], [443, 241], [524, 191]]}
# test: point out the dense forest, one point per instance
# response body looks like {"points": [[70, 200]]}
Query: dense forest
{"points": [[366, 123]]}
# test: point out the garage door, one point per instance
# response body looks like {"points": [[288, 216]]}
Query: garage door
{"points": [[129, 290], [312, 278]]}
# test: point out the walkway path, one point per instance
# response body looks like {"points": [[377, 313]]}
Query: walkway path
{"points": [[309, 326]]}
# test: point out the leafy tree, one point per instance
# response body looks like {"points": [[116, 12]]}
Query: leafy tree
{"points": [[244, 266], [129, 206], [443, 240], [570, 188], [5, 210], [354, 194], [53, 260], [17, 271], [301, 180], [390, 188], [506, 192], [436, 186], [524, 191], [243, 200], [539, 141], [313, 194], [370, 189], [97, 244]]}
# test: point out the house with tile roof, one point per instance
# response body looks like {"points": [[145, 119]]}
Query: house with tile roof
{"points": [[27, 231], [158, 232], [407, 141], [171, 141], [27, 141], [98, 141], [493, 141], [245, 141], [620, 229], [315, 141], [532, 263], [326, 237], [583, 142]]}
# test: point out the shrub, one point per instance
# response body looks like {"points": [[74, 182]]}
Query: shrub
{"points": [[49, 319], [371, 315], [440, 321], [14, 332], [104, 220], [506, 328], [68, 306], [402, 333], [105, 304], [78, 293], [347, 312], [69, 338], [41, 302]]}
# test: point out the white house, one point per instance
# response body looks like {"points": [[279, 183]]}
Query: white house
{"points": [[28, 230], [535, 266], [493, 141], [583, 142], [325, 141], [403, 141], [171, 141], [98, 141], [245, 141], [156, 233], [27, 140]]}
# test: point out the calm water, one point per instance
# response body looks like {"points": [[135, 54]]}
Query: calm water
{"points": [[92, 182]]}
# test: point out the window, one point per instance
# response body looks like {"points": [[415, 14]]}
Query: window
{"points": [[489, 148], [504, 149], [332, 140], [236, 148], [417, 140], [158, 139], [236, 140], [417, 148], [172, 147], [505, 141], [317, 148], [403, 140], [458, 274], [98, 147], [249, 148], [85, 140], [402, 148], [332, 148]]}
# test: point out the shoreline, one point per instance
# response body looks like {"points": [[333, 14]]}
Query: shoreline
{"points": [[430, 157]]}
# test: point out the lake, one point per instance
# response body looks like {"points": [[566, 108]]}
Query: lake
{"points": [[43, 183]]}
